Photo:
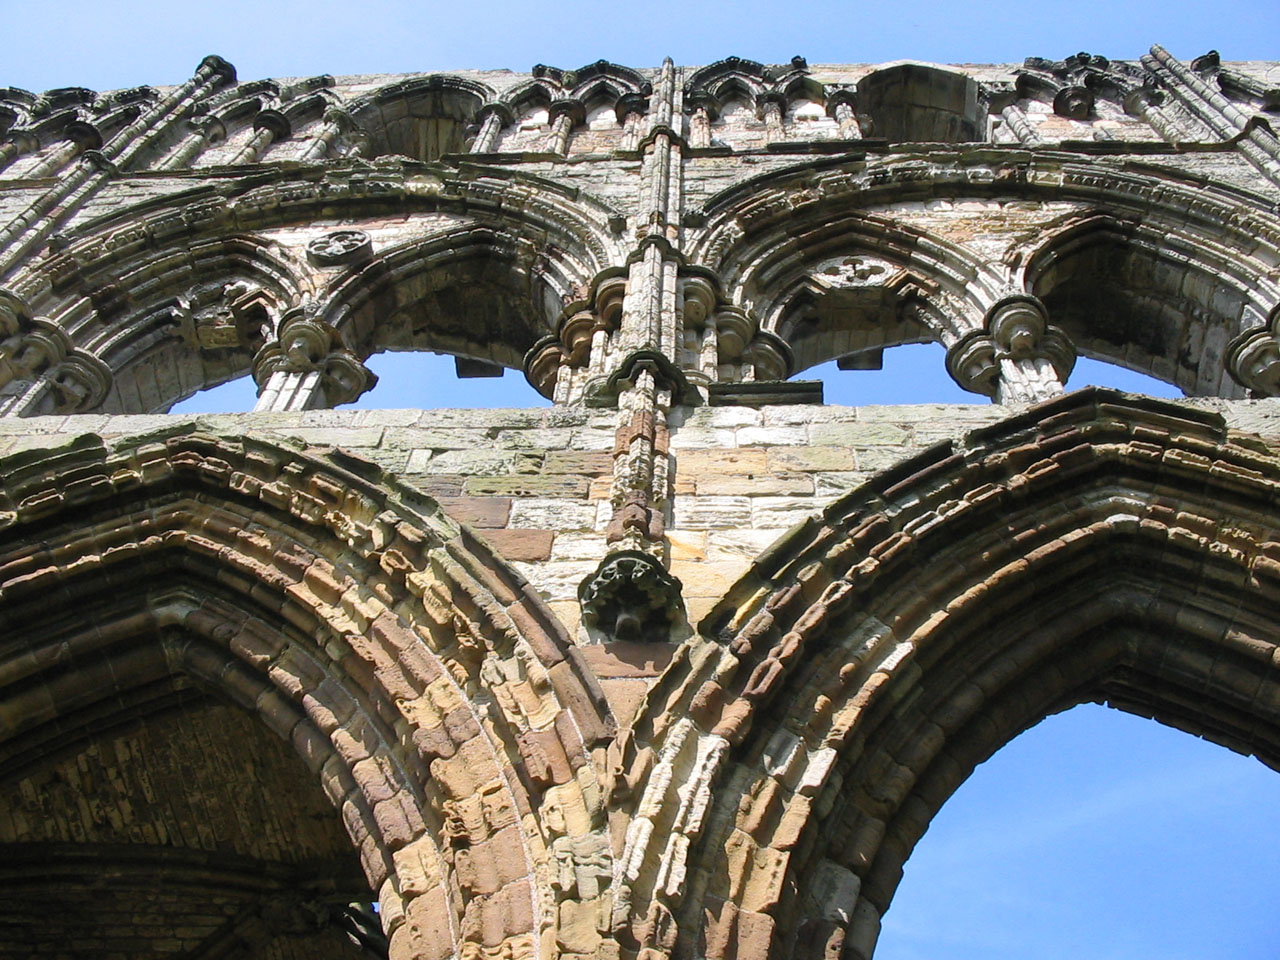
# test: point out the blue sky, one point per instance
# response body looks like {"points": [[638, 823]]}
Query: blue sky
{"points": [[1094, 834]]}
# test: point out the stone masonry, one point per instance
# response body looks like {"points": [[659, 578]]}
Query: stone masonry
{"points": [[682, 665]]}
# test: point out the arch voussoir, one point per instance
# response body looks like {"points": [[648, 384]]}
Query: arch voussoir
{"points": [[1097, 547], [354, 621]]}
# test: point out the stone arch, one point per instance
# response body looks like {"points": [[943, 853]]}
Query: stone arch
{"points": [[1095, 547], [485, 291], [833, 280], [921, 103], [558, 243], [349, 615], [747, 77], [425, 118], [621, 79], [758, 232], [193, 316], [1146, 295]]}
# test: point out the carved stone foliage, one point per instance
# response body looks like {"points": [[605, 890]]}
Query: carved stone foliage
{"points": [[630, 597]]}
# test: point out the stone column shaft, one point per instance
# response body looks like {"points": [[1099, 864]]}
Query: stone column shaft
{"points": [[30, 228], [773, 129], [558, 139], [631, 128], [1017, 120], [254, 148], [1027, 380], [58, 158], [193, 144], [847, 121], [700, 129], [322, 142], [291, 390], [488, 135], [20, 144]]}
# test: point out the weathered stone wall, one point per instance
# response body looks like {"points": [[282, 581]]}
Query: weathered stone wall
{"points": [[683, 664]]}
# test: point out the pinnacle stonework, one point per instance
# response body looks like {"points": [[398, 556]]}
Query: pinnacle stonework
{"points": [[683, 665]]}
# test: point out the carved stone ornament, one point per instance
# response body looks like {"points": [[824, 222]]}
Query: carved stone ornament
{"points": [[340, 248], [1253, 359], [630, 596]]}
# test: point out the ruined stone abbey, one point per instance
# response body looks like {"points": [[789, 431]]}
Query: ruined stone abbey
{"points": [[682, 665]]}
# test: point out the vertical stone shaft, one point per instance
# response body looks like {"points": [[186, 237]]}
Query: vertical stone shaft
{"points": [[650, 322], [256, 144], [268, 126], [488, 135], [203, 132], [700, 129], [847, 121], [335, 123], [21, 143], [771, 113], [59, 157], [1027, 380], [287, 390], [631, 130], [1258, 144], [30, 228], [1017, 120], [558, 140]]}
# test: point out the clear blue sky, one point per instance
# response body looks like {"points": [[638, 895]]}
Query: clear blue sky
{"points": [[1095, 834]]}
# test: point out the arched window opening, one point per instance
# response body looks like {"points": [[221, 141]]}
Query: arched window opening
{"points": [[234, 396], [1099, 373], [409, 379], [907, 373], [415, 379], [1095, 833], [1136, 297]]}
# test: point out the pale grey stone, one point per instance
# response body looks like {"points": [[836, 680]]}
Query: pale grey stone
{"points": [[772, 437], [704, 512], [859, 434], [701, 438], [551, 514], [774, 512], [482, 462]]}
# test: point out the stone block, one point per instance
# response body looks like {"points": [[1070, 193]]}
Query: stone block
{"points": [[772, 436], [480, 512], [703, 513], [537, 513], [733, 461], [873, 434], [760, 486], [771, 513], [579, 463], [472, 463], [526, 486], [810, 459], [521, 544]]}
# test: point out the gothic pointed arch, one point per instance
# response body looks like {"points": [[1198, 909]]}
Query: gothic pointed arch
{"points": [[1145, 295], [345, 613], [1099, 547], [622, 79]]}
